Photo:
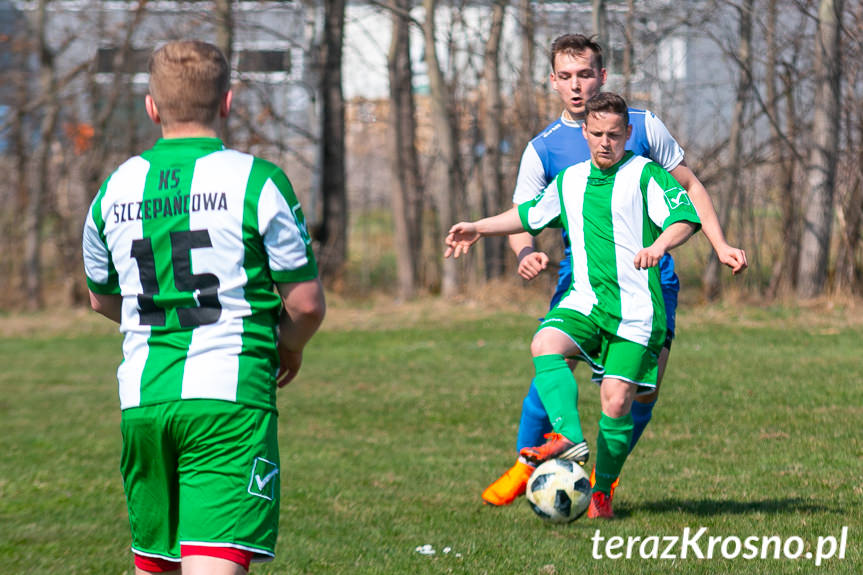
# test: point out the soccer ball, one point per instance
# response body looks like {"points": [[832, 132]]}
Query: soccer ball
{"points": [[558, 491]]}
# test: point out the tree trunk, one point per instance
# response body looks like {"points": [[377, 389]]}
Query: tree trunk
{"points": [[851, 220], [449, 162], [628, 49], [821, 173], [34, 214], [712, 286], [848, 272], [407, 196], [494, 196], [784, 277], [332, 232], [12, 279], [600, 27], [784, 274], [225, 42], [525, 97]]}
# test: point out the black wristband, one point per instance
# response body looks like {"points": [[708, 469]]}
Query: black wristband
{"points": [[525, 251]]}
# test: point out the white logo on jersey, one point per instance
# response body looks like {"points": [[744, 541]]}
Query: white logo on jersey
{"points": [[301, 223], [551, 130], [262, 482], [674, 201]]}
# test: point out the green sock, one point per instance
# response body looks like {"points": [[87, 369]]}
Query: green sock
{"points": [[559, 394], [612, 447]]}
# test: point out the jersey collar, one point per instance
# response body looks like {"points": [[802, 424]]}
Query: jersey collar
{"points": [[570, 123], [203, 144], [600, 173]]}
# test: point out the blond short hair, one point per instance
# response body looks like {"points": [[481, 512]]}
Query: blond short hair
{"points": [[188, 80]]}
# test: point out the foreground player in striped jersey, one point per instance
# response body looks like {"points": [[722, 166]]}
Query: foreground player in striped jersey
{"points": [[201, 254], [623, 213], [577, 75]]}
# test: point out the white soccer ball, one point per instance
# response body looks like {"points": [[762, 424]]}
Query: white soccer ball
{"points": [[559, 491]]}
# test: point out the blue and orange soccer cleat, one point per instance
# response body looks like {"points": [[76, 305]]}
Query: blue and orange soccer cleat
{"points": [[557, 447], [510, 485]]}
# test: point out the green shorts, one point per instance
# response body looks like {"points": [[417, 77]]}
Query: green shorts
{"points": [[607, 354], [201, 472]]}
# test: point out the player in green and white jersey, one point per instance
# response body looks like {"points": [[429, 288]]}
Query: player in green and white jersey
{"points": [[201, 254], [623, 213]]}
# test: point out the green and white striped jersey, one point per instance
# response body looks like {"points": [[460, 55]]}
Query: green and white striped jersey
{"points": [[610, 216], [193, 237]]}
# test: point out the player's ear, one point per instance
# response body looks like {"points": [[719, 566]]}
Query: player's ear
{"points": [[225, 104], [603, 75], [628, 131], [152, 111]]}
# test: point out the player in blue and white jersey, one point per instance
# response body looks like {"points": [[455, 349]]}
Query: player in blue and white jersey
{"points": [[577, 75]]}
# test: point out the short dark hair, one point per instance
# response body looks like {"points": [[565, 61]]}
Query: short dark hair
{"points": [[607, 102], [188, 79], [574, 45]]}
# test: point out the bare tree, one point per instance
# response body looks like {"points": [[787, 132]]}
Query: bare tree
{"points": [[850, 221], [492, 185], [628, 48], [20, 143], [821, 172], [527, 116], [449, 163], [407, 196], [712, 286], [34, 213], [783, 277], [224, 24], [333, 228], [600, 21], [848, 276]]}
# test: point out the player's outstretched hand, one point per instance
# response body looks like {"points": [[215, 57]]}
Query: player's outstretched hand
{"points": [[648, 257], [735, 258], [532, 264], [290, 362], [460, 238]]}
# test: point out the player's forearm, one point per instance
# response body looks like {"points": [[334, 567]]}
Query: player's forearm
{"points": [[703, 205], [500, 225], [521, 243], [674, 235], [707, 214], [110, 306], [304, 310]]}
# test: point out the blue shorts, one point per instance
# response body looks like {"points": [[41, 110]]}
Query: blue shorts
{"points": [[667, 278]]}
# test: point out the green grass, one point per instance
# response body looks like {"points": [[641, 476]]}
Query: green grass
{"points": [[400, 418]]}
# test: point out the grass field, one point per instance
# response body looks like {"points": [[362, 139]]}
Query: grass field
{"points": [[402, 415]]}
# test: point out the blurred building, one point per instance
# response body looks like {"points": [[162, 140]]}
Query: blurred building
{"points": [[101, 50]]}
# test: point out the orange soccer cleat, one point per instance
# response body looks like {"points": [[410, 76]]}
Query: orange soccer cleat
{"points": [[557, 447], [614, 484], [510, 485], [600, 506]]}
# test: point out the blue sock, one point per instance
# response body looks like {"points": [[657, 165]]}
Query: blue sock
{"points": [[534, 421], [641, 414]]}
